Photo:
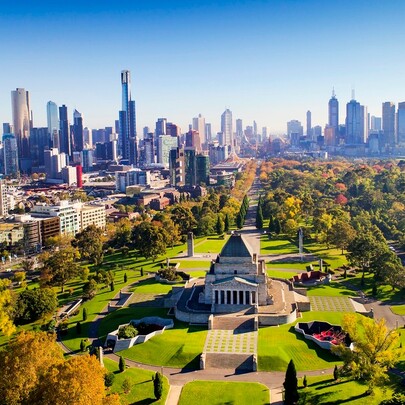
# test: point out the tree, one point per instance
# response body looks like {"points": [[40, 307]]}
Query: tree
{"points": [[341, 234], [239, 221], [32, 305], [277, 226], [291, 385], [305, 382], [375, 349], [89, 242], [125, 278], [79, 380], [89, 291], [6, 324], [219, 227], [84, 314], [259, 217], [27, 359], [149, 240], [27, 265], [60, 267], [226, 223], [158, 385], [109, 379], [121, 364], [19, 276], [82, 345], [183, 217], [123, 231]]}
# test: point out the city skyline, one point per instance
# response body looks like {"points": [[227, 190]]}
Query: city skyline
{"points": [[265, 61]]}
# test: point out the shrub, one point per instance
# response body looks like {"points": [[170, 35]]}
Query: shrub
{"points": [[84, 314], [127, 332], [82, 345], [158, 385], [336, 373], [109, 379], [169, 274], [121, 364], [126, 386]]}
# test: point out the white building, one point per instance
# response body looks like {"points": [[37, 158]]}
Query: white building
{"points": [[166, 144], [132, 177]]}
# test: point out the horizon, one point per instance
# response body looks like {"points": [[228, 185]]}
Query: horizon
{"points": [[265, 61]]}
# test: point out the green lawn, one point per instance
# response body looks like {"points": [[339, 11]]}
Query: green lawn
{"points": [[150, 286], [279, 344], [288, 265], [281, 273], [215, 392], [141, 385], [333, 289], [177, 347], [194, 264], [276, 246], [398, 309], [332, 256], [324, 390], [210, 245]]}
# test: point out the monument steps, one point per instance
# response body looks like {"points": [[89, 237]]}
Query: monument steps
{"points": [[238, 362], [231, 322]]}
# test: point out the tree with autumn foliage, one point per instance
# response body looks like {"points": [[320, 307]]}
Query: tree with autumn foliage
{"points": [[6, 324], [375, 349]]}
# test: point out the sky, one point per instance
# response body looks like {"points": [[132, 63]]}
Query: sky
{"points": [[268, 61]]}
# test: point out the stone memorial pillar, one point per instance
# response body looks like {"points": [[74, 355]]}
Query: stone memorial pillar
{"points": [[190, 244]]}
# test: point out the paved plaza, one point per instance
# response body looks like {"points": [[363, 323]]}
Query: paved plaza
{"points": [[333, 304], [229, 341]]}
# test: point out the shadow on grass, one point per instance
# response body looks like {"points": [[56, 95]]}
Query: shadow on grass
{"points": [[145, 401], [347, 400], [346, 290]]}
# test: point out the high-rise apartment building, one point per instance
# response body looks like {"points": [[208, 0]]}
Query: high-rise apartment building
{"points": [[208, 132], [10, 155], [166, 144], [128, 142], [333, 117], [22, 124], [388, 123], [160, 128], [226, 128], [401, 123], [64, 131], [52, 117], [375, 123], [39, 142], [294, 127]]}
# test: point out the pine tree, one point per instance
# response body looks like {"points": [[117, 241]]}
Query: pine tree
{"points": [[121, 364], [112, 286], [125, 278], [158, 385], [272, 227], [239, 221], [259, 217], [82, 345], [226, 224], [277, 226], [84, 314], [291, 385], [305, 382]]}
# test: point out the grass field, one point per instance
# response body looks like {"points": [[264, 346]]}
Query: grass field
{"points": [[215, 393], [150, 286], [334, 289], [141, 385], [285, 265], [278, 345], [194, 264], [178, 347], [324, 390], [210, 245], [276, 246], [281, 273], [332, 256], [398, 309]]}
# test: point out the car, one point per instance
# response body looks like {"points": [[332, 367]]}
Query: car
{"points": [[9, 270]]}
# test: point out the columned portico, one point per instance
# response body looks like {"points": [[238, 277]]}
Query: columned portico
{"points": [[234, 291]]}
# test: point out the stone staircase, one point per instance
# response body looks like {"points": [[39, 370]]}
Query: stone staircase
{"points": [[237, 362], [236, 323]]}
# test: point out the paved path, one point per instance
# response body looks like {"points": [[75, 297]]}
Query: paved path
{"points": [[227, 341], [174, 394]]}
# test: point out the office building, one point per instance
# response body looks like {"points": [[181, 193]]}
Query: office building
{"points": [[87, 160], [39, 142], [354, 123], [388, 123], [10, 155], [77, 132], [160, 128], [309, 125], [54, 163], [134, 177], [64, 131], [52, 117], [203, 170], [375, 123], [208, 132], [166, 144], [401, 124], [199, 126], [3, 199], [193, 140], [176, 167], [294, 127], [173, 129], [87, 138], [22, 124], [190, 169]]}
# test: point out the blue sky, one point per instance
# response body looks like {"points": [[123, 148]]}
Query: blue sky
{"points": [[265, 60]]}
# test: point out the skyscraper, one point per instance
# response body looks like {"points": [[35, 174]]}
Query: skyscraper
{"points": [[52, 117], [64, 131], [354, 126], [128, 142], [226, 128], [208, 132], [401, 123], [388, 123], [22, 124], [199, 126], [333, 113], [77, 129], [309, 125]]}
